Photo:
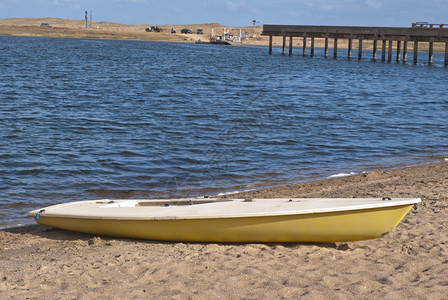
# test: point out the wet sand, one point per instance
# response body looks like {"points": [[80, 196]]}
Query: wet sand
{"points": [[410, 262]]}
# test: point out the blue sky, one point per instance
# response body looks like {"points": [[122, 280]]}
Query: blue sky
{"points": [[236, 12]]}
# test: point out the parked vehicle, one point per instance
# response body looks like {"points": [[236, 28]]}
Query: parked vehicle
{"points": [[185, 30], [228, 37], [153, 29], [45, 25], [173, 30], [200, 31], [156, 29]]}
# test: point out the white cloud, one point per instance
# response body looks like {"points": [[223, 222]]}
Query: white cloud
{"points": [[137, 1], [330, 5], [235, 5], [375, 4]]}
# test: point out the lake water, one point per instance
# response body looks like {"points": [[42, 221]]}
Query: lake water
{"points": [[89, 119]]}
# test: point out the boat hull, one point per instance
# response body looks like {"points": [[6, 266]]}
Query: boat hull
{"points": [[335, 226]]}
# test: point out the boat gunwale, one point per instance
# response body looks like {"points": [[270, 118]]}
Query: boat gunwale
{"points": [[94, 215]]}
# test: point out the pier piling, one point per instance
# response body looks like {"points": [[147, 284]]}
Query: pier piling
{"points": [[284, 44], [290, 45], [446, 54], [335, 48], [405, 51], [360, 49], [312, 46], [389, 53], [304, 46], [430, 52], [375, 45], [349, 50], [415, 52]]}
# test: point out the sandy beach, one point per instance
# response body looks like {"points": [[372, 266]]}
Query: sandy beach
{"points": [[411, 262], [62, 28]]}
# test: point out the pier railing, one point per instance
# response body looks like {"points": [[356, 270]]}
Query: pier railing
{"points": [[386, 35]]}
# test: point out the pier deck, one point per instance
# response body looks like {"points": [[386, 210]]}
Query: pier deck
{"points": [[387, 35]]}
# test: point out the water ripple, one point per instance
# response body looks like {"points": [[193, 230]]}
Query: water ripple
{"points": [[118, 119]]}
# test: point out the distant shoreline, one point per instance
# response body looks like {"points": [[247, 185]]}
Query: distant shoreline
{"points": [[114, 31], [63, 28]]}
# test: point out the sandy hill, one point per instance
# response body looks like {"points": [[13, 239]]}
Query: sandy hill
{"points": [[109, 30]]}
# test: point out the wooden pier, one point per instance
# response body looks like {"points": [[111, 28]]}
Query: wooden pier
{"points": [[387, 36]]}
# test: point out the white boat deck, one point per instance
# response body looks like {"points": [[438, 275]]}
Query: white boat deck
{"points": [[173, 209]]}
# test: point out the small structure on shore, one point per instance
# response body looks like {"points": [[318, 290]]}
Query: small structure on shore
{"points": [[86, 17]]}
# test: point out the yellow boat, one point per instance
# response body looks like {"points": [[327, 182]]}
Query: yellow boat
{"points": [[231, 220]]}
